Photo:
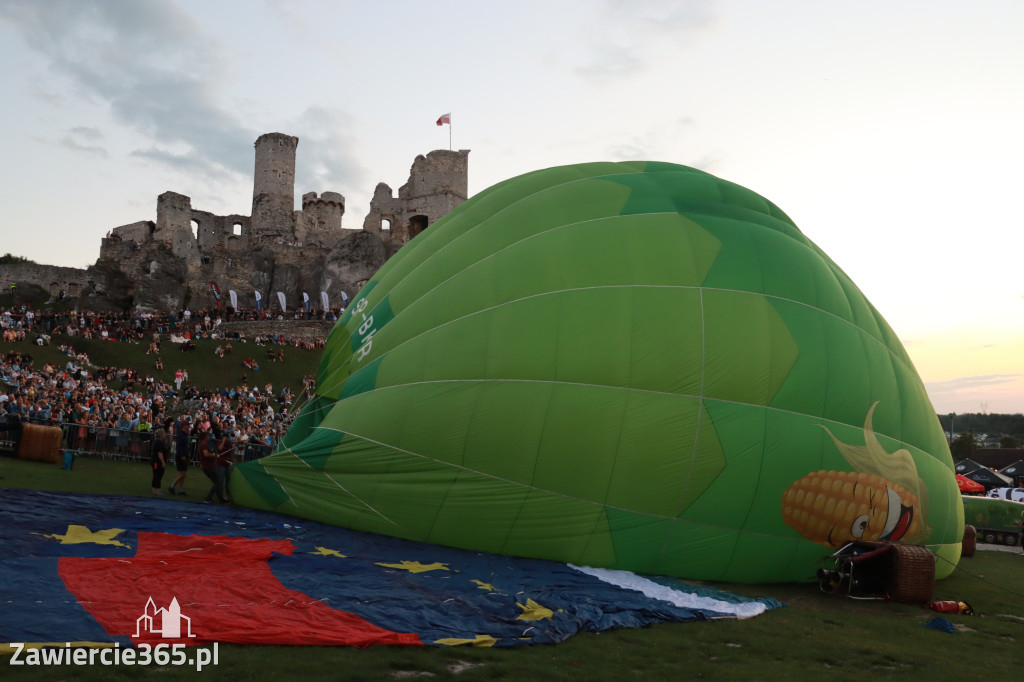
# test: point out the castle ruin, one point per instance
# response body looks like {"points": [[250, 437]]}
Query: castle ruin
{"points": [[170, 263]]}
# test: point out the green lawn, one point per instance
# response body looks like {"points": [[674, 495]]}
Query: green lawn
{"points": [[815, 637]]}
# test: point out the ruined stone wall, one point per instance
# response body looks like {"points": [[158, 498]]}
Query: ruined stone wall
{"points": [[441, 171], [305, 330], [273, 194], [221, 233], [120, 251], [174, 226], [383, 206], [438, 182], [134, 232], [51, 278]]}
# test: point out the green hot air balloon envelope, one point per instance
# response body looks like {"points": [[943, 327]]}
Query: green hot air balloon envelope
{"points": [[625, 365]]}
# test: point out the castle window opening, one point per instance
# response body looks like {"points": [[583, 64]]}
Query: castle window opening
{"points": [[385, 224], [236, 229], [417, 224], [195, 229]]}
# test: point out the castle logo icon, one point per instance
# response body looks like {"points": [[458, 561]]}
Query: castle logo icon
{"points": [[166, 622]]}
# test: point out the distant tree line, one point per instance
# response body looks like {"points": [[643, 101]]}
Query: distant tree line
{"points": [[992, 424], [1008, 428]]}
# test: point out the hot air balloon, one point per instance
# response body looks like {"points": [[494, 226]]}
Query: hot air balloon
{"points": [[627, 365]]}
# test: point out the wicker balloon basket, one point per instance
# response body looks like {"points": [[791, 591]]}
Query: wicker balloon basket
{"points": [[913, 574], [881, 570], [39, 443], [970, 541]]}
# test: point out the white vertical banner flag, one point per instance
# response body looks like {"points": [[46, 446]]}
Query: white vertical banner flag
{"points": [[325, 300], [280, 298], [234, 298]]}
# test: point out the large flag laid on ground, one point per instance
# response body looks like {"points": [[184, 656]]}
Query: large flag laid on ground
{"points": [[94, 568]]}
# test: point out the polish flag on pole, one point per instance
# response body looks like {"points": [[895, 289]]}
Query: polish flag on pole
{"points": [[445, 118]]}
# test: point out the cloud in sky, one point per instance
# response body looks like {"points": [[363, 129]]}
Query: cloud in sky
{"points": [[70, 142], [970, 382], [163, 76], [670, 17], [325, 160], [628, 34], [151, 64]]}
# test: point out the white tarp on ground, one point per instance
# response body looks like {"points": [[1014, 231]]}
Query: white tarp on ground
{"points": [[688, 600]]}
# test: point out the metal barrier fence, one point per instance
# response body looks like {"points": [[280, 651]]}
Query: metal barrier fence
{"points": [[135, 446]]}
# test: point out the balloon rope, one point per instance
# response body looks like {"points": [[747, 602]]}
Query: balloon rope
{"points": [[959, 568]]}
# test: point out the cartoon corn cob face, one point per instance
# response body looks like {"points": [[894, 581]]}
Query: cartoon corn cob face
{"points": [[836, 507]]}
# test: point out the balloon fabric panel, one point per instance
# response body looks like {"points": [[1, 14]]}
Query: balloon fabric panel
{"points": [[636, 365]]}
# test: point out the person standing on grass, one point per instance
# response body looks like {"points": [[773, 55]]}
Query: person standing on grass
{"points": [[158, 459], [124, 427], [181, 458], [211, 467], [226, 460]]}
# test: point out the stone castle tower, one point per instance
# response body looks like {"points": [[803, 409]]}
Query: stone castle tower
{"points": [[174, 226], [273, 191], [173, 261], [321, 218]]}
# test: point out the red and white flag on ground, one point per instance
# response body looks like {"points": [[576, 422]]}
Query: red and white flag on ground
{"points": [[445, 118]]}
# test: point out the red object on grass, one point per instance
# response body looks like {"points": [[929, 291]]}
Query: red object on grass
{"points": [[218, 588]]}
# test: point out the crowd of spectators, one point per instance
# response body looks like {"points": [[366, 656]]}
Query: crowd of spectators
{"points": [[23, 323], [112, 410], [97, 418]]}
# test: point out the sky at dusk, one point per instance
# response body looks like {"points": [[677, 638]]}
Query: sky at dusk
{"points": [[889, 131]]}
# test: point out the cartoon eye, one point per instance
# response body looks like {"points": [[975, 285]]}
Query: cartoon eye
{"points": [[859, 524]]}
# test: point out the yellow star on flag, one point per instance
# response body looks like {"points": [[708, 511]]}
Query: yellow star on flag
{"points": [[478, 641], [325, 551], [534, 611], [77, 535], [417, 567], [484, 586]]}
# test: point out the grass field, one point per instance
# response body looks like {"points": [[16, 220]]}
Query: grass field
{"points": [[815, 637]]}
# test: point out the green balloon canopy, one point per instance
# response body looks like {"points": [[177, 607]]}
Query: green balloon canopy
{"points": [[625, 365]]}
